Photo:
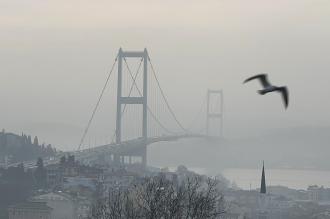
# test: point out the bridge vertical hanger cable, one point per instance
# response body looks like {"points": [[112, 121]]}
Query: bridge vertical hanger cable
{"points": [[164, 97], [223, 111], [129, 94], [197, 115], [149, 110], [134, 81], [97, 104], [157, 132], [153, 104]]}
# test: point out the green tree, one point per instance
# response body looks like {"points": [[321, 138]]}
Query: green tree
{"points": [[35, 141], [40, 174], [63, 161], [40, 163], [29, 140], [71, 160]]}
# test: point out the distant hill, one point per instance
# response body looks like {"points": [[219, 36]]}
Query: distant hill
{"points": [[19, 148], [300, 147], [295, 148]]}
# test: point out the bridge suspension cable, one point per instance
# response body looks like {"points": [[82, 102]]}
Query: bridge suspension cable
{"points": [[197, 115], [148, 108], [165, 99], [129, 94], [97, 104]]}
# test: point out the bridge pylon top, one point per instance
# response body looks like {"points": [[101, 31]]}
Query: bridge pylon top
{"points": [[133, 54], [123, 100], [214, 115]]}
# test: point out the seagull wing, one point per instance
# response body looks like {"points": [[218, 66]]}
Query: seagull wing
{"points": [[285, 95], [263, 79]]}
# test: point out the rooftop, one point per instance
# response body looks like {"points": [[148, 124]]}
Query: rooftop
{"points": [[32, 206], [52, 196]]}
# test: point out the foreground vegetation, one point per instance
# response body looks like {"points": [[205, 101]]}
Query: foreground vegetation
{"points": [[159, 198]]}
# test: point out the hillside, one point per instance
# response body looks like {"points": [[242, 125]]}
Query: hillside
{"points": [[17, 148]]}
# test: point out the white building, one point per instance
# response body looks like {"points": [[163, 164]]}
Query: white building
{"points": [[63, 207], [30, 210]]}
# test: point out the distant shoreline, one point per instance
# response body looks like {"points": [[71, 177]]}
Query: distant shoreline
{"points": [[292, 178]]}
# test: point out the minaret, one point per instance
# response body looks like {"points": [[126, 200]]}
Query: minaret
{"points": [[263, 200], [263, 180]]}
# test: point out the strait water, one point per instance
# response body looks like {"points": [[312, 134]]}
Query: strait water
{"points": [[292, 178]]}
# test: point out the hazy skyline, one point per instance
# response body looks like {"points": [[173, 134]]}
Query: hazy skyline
{"points": [[55, 56]]}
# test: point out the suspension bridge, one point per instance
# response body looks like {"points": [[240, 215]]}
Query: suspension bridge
{"points": [[134, 91]]}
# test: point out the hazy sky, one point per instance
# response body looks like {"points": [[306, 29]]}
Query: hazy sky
{"points": [[55, 55]]}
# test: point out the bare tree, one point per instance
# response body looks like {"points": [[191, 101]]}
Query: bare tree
{"points": [[118, 205], [158, 198]]}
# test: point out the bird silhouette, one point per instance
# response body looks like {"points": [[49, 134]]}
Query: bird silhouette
{"points": [[268, 87]]}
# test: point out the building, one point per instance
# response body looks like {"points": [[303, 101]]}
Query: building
{"points": [[54, 175], [170, 176], [118, 179], [232, 216], [318, 194], [30, 210], [62, 205]]}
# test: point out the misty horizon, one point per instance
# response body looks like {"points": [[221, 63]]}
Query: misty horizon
{"points": [[48, 63]]}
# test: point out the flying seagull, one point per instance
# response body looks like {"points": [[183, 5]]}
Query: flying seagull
{"points": [[270, 88]]}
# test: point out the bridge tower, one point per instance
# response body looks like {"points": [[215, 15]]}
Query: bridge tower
{"points": [[122, 100], [214, 114]]}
